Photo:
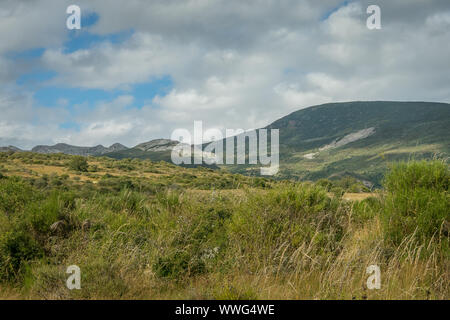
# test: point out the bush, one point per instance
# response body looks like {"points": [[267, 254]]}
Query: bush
{"points": [[367, 209], [178, 264], [55, 207], [79, 164], [14, 195], [417, 200], [325, 183], [409, 176], [17, 247]]}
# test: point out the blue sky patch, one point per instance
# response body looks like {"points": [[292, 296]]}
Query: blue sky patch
{"points": [[70, 126], [89, 19], [143, 93], [27, 54], [35, 78], [80, 39], [329, 13]]}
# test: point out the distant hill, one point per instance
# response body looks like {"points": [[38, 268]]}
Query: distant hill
{"points": [[360, 138], [156, 150], [79, 151], [10, 148]]}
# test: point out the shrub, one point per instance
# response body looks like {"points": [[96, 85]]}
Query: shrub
{"points": [[367, 209], [79, 163], [178, 264], [41, 182], [55, 207], [16, 248], [325, 183], [338, 192], [417, 200], [14, 194]]}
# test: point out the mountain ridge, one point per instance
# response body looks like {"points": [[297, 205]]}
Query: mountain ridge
{"points": [[10, 148], [77, 150], [401, 130], [358, 138]]}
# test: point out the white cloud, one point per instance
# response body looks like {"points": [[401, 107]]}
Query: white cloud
{"points": [[108, 66], [347, 22], [233, 65], [26, 25]]}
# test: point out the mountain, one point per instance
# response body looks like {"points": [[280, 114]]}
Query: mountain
{"points": [[116, 147], [157, 145], [360, 139], [10, 148], [156, 150], [80, 151]]}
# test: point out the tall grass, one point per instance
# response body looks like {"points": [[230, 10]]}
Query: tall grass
{"points": [[292, 241]]}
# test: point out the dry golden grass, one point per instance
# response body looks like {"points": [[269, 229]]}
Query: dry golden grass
{"points": [[358, 196], [343, 277]]}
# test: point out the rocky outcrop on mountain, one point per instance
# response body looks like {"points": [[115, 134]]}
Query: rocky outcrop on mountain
{"points": [[79, 151], [352, 137], [10, 148], [116, 147], [157, 145]]}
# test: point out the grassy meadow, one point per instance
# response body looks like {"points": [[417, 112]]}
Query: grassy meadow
{"points": [[151, 230]]}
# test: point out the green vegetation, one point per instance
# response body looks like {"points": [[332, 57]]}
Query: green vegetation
{"points": [[403, 131], [417, 200], [141, 229], [78, 163]]}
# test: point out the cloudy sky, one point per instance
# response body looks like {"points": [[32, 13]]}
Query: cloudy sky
{"points": [[139, 69]]}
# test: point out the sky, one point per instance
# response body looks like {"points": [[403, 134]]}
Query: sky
{"points": [[139, 69]]}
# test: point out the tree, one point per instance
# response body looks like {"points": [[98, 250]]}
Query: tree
{"points": [[79, 163]]}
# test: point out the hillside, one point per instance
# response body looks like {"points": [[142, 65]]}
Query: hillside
{"points": [[359, 139]]}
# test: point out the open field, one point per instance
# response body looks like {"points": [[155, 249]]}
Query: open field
{"points": [[151, 230]]}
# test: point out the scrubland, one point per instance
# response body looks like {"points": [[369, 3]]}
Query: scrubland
{"points": [[151, 230]]}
